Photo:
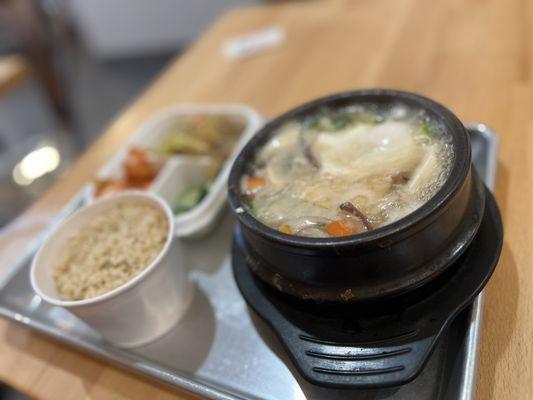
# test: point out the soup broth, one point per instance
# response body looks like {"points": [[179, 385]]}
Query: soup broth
{"points": [[347, 171]]}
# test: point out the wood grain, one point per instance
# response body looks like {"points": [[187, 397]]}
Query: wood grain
{"points": [[473, 56]]}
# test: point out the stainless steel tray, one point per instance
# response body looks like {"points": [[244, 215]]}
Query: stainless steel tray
{"points": [[221, 350]]}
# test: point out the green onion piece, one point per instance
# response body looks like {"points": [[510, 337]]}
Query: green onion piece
{"points": [[252, 208], [427, 130], [310, 122], [378, 119], [340, 121]]}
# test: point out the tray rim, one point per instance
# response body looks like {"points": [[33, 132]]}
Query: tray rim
{"points": [[140, 366], [467, 389]]}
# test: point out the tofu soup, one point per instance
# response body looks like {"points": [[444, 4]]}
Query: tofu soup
{"points": [[341, 172]]}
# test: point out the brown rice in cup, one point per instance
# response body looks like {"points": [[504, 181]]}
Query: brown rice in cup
{"points": [[110, 250]]}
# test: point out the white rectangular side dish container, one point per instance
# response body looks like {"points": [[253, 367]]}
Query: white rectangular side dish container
{"points": [[179, 172]]}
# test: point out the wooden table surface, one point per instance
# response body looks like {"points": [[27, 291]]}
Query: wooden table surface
{"points": [[474, 56]]}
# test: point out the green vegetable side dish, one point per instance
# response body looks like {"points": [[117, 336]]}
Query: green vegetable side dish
{"points": [[190, 198], [180, 142], [204, 135], [212, 135]]}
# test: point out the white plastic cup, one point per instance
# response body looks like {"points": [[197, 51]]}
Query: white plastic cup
{"points": [[142, 309]]}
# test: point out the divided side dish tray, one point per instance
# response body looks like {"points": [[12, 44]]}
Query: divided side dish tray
{"points": [[181, 171], [221, 350]]}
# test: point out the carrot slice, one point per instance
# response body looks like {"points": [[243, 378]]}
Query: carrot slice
{"points": [[286, 229], [339, 228], [255, 183], [137, 152]]}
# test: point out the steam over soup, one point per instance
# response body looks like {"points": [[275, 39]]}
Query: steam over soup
{"points": [[343, 172]]}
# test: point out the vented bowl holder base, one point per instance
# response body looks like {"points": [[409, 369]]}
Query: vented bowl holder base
{"points": [[373, 345]]}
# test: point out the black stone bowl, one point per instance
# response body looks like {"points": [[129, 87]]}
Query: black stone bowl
{"points": [[378, 264]]}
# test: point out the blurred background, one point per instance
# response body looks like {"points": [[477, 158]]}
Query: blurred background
{"points": [[68, 66]]}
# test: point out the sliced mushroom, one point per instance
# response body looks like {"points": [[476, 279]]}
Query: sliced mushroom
{"points": [[353, 210]]}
